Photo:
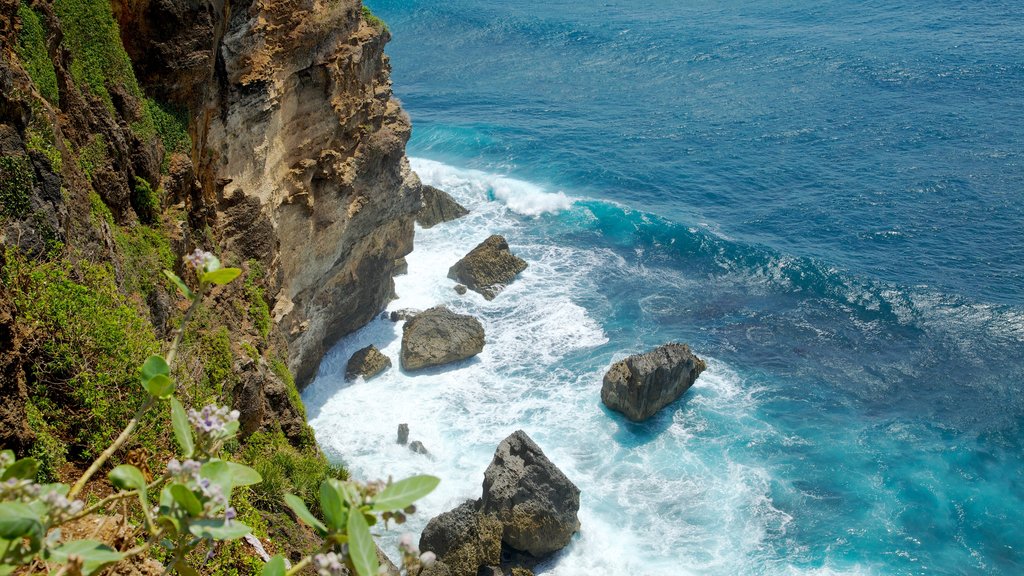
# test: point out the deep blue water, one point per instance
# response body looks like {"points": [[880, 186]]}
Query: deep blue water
{"points": [[824, 199]]}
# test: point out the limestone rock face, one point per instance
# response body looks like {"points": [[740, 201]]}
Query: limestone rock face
{"points": [[367, 362], [535, 502], [464, 539], [438, 207], [303, 161], [439, 336], [488, 268], [642, 384]]}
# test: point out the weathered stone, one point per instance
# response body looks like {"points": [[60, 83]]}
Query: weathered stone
{"points": [[460, 289], [438, 569], [642, 384], [367, 362], [403, 314], [403, 434], [520, 571], [488, 268], [464, 539], [439, 336], [401, 267], [438, 207], [535, 502], [262, 398], [418, 447]]}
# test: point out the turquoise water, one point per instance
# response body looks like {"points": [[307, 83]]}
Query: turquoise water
{"points": [[823, 199]]}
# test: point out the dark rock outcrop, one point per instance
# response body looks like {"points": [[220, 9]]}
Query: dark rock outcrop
{"points": [[528, 510], [418, 447], [439, 336], [464, 539], [403, 314], [438, 207], [367, 362], [532, 498], [403, 434], [460, 289], [642, 384], [488, 268]]}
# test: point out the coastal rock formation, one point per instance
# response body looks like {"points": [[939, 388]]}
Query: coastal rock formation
{"points": [[403, 314], [642, 384], [528, 506], [367, 362], [488, 268], [439, 336], [464, 539], [403, 434], [532, 498], [438, 207]]}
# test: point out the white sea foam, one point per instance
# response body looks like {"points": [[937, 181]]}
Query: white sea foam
{"points": [[522, 197], [665, 498]]}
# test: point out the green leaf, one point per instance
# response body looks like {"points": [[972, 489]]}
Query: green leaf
{"points": [[218, 472], [331, 503], [95, 555], [127, 477], [180, 284], [212, 264], [18, 520], [184, 569], [361, 549], [182, 428], [242, 475], [221, 275], [24, 469], [218, 529], [184, 497], [275, 567], [300, 509], [154, 366], [159, 386], [403, 493]]}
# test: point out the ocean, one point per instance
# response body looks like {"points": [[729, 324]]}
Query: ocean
{"points": [[823, 199]]}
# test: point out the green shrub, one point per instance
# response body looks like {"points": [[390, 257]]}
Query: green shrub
{"points": [[146, 202], [259, 310], [48, 450], [171, 126], [16, 179], [282, 371], [286, 470], [93, 155], [143, 249], [373, 20], [34, 56]]}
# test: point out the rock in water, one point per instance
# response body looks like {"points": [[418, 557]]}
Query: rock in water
{"points": [[418, 447], [642, 384], [439, 336], [460, 289], [403, 434], [488, 268], [464, 539], [532, 498], [367, 363], [438, 207]]}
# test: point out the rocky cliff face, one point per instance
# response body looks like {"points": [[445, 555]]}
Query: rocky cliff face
{"points": [[300, 149]]}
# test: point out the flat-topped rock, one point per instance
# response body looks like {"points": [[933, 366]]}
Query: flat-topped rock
{"points": [[642, 384], [439, 336], [488, 268], [438, 207]]}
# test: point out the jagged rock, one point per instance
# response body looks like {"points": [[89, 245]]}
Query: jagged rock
{"points": [[464, 539], [404, 314], [262, 398], [488, 268], [438, 569], [519, 571], [460, 289], [535, 502], [438, 207], [439, 336], [403, 434], [401, 267], [642, 384], [367, 362], [418, 447]]}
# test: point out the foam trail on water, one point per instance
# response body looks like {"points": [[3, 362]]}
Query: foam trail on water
{"points": [[664, 498]]}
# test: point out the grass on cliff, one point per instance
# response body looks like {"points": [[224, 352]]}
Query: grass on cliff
{"points": [[373, 20], [34, 56], [16, 179]]}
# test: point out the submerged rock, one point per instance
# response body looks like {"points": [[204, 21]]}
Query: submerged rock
{"points": [[460, 289], [642, 384], [438, 207], [488, 268], [367, 363], [418, 447], [439, 336], [535, 502]]}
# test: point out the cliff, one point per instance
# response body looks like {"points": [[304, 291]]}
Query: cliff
{"points": [[134, 131]]}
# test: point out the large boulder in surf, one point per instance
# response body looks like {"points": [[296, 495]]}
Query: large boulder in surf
{"points": [[535, 502], [642, 384], [439, 336], [464, 539], [438, 207], [488, 268], [367, 363]]}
